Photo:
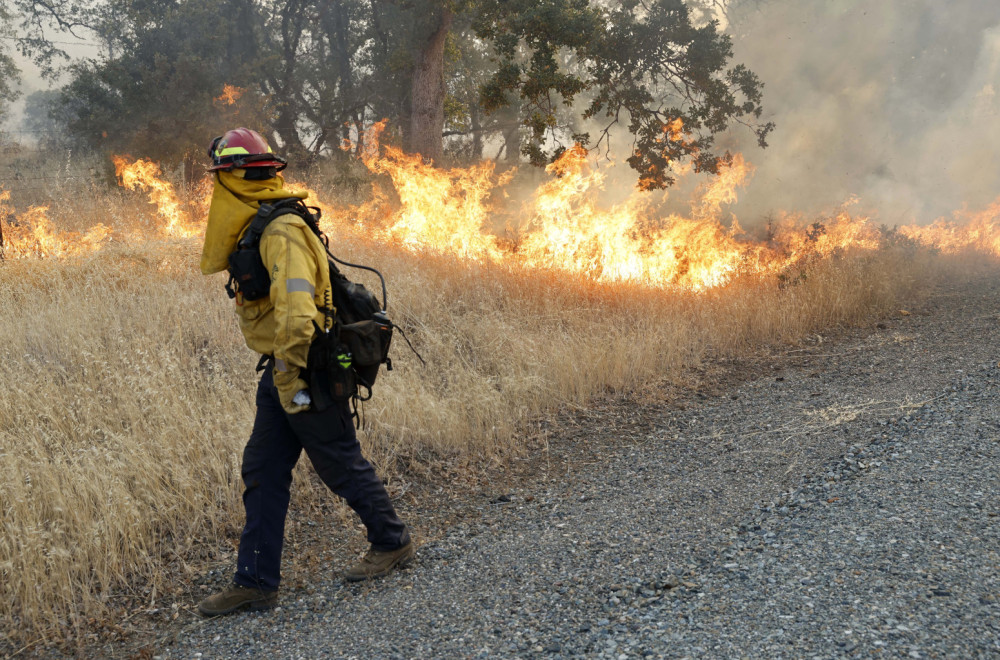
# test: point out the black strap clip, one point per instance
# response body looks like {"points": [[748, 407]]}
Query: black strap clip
{"points": [[231, 286]]}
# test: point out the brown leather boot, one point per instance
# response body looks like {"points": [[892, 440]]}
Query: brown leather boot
{"points": [[377, 563], [237, 597]]}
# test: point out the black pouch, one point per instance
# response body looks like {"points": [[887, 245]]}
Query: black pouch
{"points": [[331, 373], [249, 275], [369, 343]]}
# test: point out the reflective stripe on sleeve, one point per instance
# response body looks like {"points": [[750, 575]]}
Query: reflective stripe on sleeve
{"points": [[298, 284], [280, 365]]}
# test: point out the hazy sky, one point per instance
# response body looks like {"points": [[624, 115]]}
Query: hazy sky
{"points": [[31, 79]]}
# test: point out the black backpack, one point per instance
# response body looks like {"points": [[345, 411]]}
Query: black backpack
{"points": [[345, 357]]}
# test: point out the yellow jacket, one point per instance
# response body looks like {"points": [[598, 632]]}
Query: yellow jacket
{"points": [[280, 324]]}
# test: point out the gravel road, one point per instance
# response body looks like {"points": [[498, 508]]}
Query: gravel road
{"points": [[844, 502]]}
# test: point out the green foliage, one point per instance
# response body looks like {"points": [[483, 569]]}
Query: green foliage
{"points": [[10, 75], [467, 69], [156, 96], [44, 118], [562, 70], [646, 64], [327, 64]]}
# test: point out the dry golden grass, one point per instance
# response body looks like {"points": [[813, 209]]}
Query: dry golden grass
{"points": [[129, 391]]}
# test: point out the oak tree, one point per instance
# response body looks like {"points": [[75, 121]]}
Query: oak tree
{"points": [[644, 64]]}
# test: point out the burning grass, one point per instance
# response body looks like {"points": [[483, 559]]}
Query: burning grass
{"points": [[130, 389]]}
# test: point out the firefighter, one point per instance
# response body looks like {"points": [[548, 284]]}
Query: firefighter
{"points": [[280, 327]]}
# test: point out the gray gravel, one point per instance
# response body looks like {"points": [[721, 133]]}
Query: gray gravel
{"points": [[843, 503]]}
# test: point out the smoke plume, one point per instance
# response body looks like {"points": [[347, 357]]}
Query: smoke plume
{"points": [[894, 102]]}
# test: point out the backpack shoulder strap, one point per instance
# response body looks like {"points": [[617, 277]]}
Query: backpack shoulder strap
{"points": [[261, 220], [268, 211]]}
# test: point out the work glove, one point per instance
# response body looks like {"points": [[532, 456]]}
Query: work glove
{"points": [[289, 386]]}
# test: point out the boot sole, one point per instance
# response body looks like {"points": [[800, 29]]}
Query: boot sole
{"points": [[402, 562], [251, 606]]}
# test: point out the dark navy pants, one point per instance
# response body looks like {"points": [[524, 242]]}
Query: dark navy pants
{"points": [[275, 444]]}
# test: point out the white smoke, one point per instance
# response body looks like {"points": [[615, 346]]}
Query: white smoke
{"points": [[894, 102]]}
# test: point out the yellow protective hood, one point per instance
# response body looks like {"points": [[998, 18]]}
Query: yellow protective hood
{"points": [[234, 203]]}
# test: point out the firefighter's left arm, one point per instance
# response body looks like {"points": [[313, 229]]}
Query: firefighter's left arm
{"points": [[290, 263]]}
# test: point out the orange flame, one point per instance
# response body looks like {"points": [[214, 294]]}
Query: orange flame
{"points": [[563, 225], [33, 235], [230, 94], [440, 210], [569, 230], [146, 175], [969, 231]]}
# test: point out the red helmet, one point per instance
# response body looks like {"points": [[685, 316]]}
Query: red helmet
{"points": [[242, 147]]}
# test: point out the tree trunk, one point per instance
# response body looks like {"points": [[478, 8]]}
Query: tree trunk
{"points": [[477, 130], [511, 121], [281, 85], [337, 25], [284, 126], [359, 127], [427, 94]]}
